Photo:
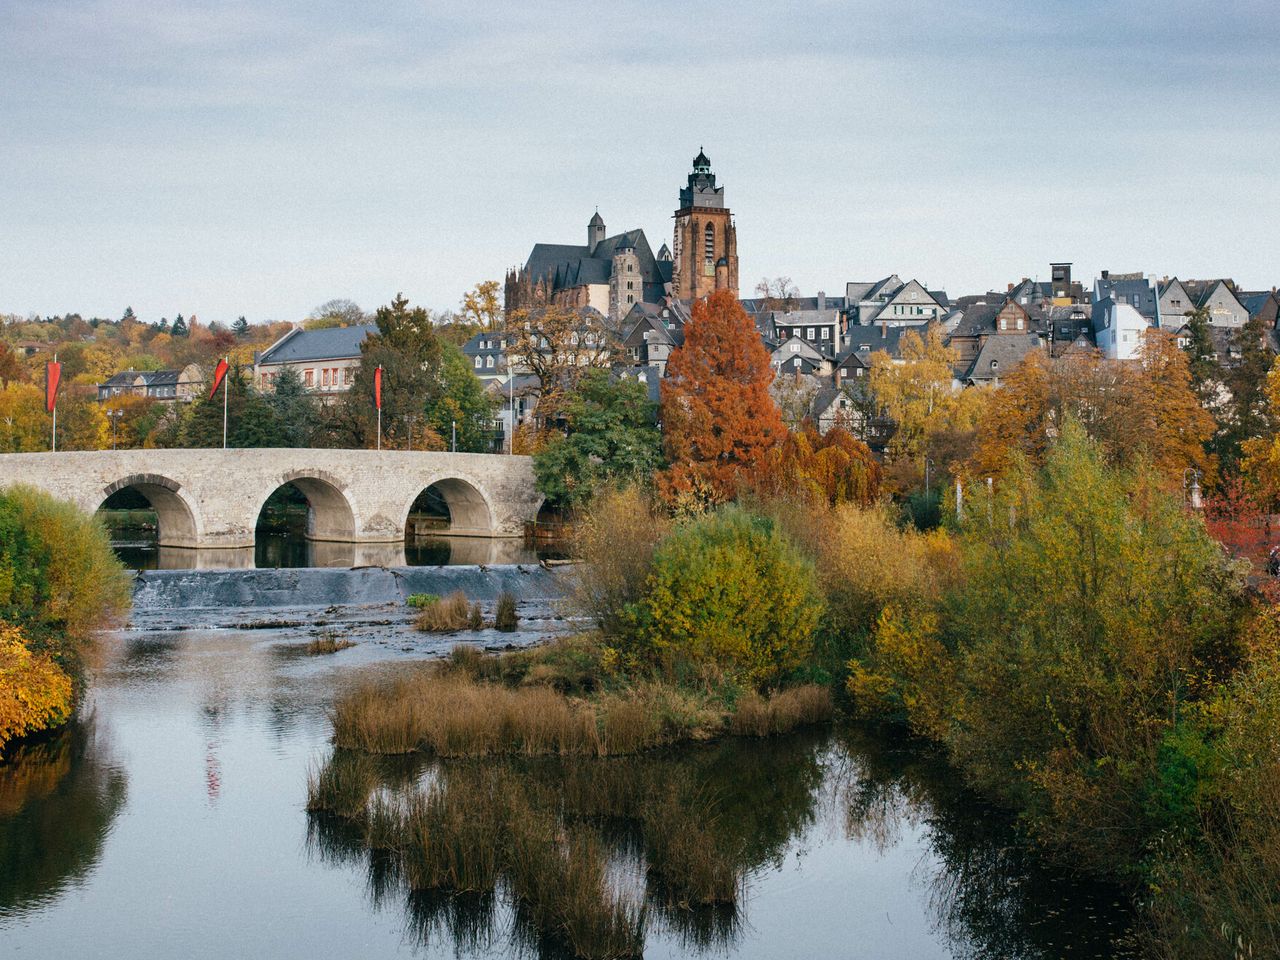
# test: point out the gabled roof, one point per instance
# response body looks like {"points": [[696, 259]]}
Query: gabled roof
{"points": [[331, 343], [978, 319], [999, 355], [784, 351]]}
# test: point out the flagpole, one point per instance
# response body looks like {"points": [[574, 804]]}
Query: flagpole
{"points": [[379, 399], [225, 390], [54, 442]]}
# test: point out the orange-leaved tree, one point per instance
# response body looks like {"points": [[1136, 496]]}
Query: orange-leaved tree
{"points": [[833, 467], [719, 423]]}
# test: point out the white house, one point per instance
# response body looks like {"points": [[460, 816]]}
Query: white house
{"points": [[1118, 329]]}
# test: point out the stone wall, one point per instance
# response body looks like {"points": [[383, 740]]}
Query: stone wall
{"points": [[212, 498]]}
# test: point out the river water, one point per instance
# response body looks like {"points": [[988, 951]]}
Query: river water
{"points": [[169, 821]]}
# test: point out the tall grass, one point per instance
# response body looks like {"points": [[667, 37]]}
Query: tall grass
{"points": [[342, 786], [444, 615], [781, 712]]}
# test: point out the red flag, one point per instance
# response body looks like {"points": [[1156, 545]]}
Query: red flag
{"points": [[52, 380], [219, 374], [377, 388]]}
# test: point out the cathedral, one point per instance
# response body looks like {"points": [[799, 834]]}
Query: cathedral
{"points": [[614, 273]]}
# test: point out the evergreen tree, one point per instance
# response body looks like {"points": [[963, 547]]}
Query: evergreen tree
{"points": [[128, 315], [179, 327], [251, 421], [295, 411], [409, 352], [240, 328], [1205, 371], [1246, 413]]}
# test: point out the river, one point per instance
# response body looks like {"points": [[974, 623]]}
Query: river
{"points": [[169, 821]]}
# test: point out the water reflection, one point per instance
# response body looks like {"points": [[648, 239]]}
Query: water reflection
{"points": [[58, 799], [659, 826]]}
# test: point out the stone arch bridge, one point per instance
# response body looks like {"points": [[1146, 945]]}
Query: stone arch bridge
{"points": [[212, 498]]}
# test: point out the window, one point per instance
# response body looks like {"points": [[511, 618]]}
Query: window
{"points": [[477, 363], [630, 284], [1019, 323], [488, 362], [795, 348], [812, 333], [630, 269], [709, 242], [325, 376], [995, 364], [346, 377], [631, 298], [308, 378]]}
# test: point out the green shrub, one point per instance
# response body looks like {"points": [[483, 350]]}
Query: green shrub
{"points": [[420, 601], [727, 592], [59, 580]]}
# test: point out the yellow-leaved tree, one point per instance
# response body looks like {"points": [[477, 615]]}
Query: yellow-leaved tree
{"points": [[35, 693]]}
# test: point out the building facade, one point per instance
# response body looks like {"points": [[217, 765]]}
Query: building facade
{"points": [[704, 248], [325, 360]]}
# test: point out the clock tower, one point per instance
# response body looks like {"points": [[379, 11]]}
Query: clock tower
{"points": [[705, 251]]}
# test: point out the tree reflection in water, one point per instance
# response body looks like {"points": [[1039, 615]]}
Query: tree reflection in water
{"points": [[676, 836], [58, 798], [990, 894]]}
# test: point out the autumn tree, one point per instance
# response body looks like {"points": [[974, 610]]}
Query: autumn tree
{"points": [[1140, 409], [932, 419], [821, 468], [558, 345], [719, 422], [482, 306]]}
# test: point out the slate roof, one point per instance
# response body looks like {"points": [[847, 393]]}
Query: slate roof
{"points": [[874, 337], [332, 343], [978, 319], [1255, 302], [1138, 294], [999, 355], [150, 378], [569, 265]]}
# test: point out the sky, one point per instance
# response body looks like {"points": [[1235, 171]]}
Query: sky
{"points": [[244, 157]]}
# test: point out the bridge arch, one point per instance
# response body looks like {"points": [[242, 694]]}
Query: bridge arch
{"points": [[471, 511], [177, 519], [330, 513]]}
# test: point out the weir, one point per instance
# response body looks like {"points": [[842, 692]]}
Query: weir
{"points": [[313, 588]]}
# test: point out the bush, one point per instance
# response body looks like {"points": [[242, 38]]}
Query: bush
{"points": [[475, 619], [615, 540], [504, 617], [59, 580], [59, 585], [727, 593], [420, 601]]}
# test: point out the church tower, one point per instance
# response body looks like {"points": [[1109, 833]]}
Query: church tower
{"points": [[705, 247]]}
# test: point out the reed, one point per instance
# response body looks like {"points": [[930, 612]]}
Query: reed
{"points": [[329, 642], [780, 712], [505, 618], [343, 785], [445, 614]]}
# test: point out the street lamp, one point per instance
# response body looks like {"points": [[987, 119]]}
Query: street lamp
{"points": [[115, 413], [1191, 487]]}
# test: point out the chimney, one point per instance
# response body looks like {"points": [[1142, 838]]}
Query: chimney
{"points": [[1106, 274], [884, 329], [822, 300], [837, 377], [1010, 290]]}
